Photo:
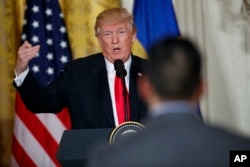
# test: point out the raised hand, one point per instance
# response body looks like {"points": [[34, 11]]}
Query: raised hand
{"points": [[25, 53]]}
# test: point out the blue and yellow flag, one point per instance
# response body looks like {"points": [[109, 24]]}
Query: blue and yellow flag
{"points": [[154, 19]]}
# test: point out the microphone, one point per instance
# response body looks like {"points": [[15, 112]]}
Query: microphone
{"points": [[119, 68]]}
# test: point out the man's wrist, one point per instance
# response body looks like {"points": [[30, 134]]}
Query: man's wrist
{"points": [[20, 78]]}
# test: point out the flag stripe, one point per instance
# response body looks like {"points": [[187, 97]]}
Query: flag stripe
{"points": [[64, 118], [53, 125], [19, 155], [31, 147], [38, 130], [13, 162]]}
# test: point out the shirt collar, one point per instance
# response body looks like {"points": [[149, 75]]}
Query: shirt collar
{"points": [[171, 107], [111, 68]]}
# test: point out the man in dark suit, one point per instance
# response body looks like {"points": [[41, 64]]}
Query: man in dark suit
{"points": [[173, 135], [86, 85]]}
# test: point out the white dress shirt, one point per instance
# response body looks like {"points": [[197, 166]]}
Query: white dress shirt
{"points": [[111, 79], [20, 78]]}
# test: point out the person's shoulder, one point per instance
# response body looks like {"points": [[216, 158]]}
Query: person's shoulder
{"points": [[85, 61], [233, 138], [138, 63], [88, 58], [139, 59]]}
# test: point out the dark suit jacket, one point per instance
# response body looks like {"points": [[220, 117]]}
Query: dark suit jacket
{"points": [[173, 139], [83, 88]]}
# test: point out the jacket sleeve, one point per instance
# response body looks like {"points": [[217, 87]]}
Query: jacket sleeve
{"points": [[48, 99]]}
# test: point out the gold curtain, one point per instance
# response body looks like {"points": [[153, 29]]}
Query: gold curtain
{"points": [[79, 18], [11, 12]]}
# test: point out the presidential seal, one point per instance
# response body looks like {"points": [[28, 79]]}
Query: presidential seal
{"points": [[124, 130]]}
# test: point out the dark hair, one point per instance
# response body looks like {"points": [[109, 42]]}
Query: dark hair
{"points": [[174, 68]]}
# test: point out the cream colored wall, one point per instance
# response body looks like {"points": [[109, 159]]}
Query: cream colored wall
{"points": [[220, 30]]}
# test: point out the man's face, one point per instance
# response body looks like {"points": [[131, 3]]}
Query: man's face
{"points": [[116, 40]]}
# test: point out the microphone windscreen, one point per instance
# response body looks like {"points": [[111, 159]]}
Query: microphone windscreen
{"points": [[118, 64], [119, 68]]}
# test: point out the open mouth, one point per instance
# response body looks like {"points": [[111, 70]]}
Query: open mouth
{"points": [[116, 50]]}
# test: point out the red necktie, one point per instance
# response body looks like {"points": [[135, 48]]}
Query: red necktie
{"points": [[119, 99]]}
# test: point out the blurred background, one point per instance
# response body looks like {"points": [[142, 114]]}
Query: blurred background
{"points": [[220, 28]]}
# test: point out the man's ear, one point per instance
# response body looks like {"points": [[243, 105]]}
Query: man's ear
{"points": [[145, 89], [99, 41], [134, 37], [200, 90]]}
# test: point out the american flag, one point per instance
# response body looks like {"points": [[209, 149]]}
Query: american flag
{"points": [[36, 136]]}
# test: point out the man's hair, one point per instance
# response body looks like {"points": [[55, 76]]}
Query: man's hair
{"points": [[174, 68], [114, 15]]}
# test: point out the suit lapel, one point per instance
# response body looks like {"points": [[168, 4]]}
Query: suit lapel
{"points": [[133, 92], [100, 74]]}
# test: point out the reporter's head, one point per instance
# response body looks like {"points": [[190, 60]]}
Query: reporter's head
{"points": [[173, 72]]}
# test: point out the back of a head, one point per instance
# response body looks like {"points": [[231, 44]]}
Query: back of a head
{"points": [[174, 68]]}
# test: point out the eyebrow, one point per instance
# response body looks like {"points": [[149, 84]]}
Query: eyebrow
{"points": [[121, 28]]}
